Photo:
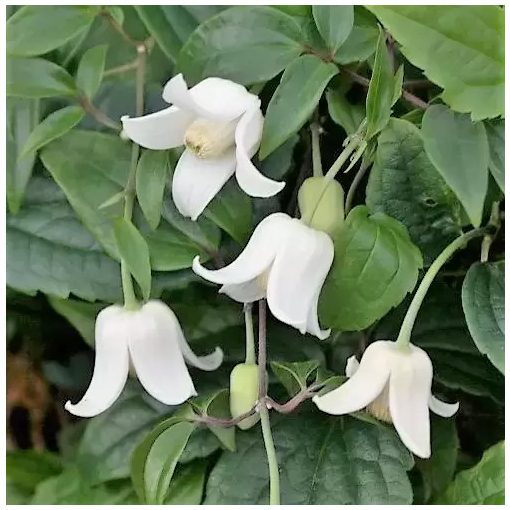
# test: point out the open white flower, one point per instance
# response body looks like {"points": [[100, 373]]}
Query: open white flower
{"points": [[285, 261], [220, 123], [152, 341], [395, 386]]}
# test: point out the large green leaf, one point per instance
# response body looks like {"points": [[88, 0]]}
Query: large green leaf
{"points": [[404, 184], [347, 115], [441, 330], [22, 117], [322, 460], [381, 90], [54, 126], [483, 484], [295, 99], [37, 29], [90, 70], [375, 266], [36, 77], [496, 136], [334, 23], [49, 250], [110, 438], [247, 44], [460, 152], [483, 301], [434, 38], [187, 485]]}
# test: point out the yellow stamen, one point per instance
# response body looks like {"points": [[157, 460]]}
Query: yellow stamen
{"points": [[208, 139]]}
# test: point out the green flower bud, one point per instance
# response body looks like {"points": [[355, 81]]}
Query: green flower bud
{"points": [[244, 391], [322, 208]]}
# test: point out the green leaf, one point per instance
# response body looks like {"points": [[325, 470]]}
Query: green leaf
{"points": [[294, 376], [483, 301], [375, 266], [49, 250], [441, 330], [90, 70], [297, 95], [162, 459], [151, 177], [22, 117], [248, 44], [28, 468], [170, 25], [110, 438], [404, 184], [348, 116], [334, 23], [381, 90], [35, 30], [322, 460], [362, 41], [438, 471], [54, 126], [483, 484], [432, 42], [460, 152], [280, 162], [231, 210], [133, 250], [36, 77], [398, 82], [80, 314], [496, 136], [187, 486]]}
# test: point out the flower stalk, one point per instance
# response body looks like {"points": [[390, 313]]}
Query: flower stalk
{"points": [[250, 340]]}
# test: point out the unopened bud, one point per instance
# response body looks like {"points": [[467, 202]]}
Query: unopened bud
{"points": [[321, 203], [244, 390]]}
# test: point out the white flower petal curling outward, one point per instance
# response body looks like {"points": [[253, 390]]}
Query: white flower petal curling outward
{"points": [[220, 123], [152, 339], [405, 390], [196, 181], [248, 135], [111, 366]]}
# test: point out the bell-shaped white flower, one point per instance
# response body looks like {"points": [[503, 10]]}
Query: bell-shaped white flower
{"points": [[152, 342], [285, 261], [394, 384], [220, 123]]}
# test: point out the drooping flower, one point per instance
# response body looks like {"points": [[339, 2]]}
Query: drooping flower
{"points": [[394, 384], [152, 342], [284, 261], [220, 123]]}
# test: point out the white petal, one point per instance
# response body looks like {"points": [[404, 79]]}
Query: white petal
{"points": [[111, 366], [312, 322], [410, 382], [351, 366], [442, 408], [298, 272], [247, 292], [197, 181], [161, 130], [212, 98], [256, 257], [247, 137], [364, 386], [156, 354]]}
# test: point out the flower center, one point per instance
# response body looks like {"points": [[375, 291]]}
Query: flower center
{"points": [[380, 407], [209, 139]]}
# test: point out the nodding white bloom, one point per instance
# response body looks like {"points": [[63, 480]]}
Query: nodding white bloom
{"points": [[152, 342], [285, 261], [220, 123], [394, 384]]}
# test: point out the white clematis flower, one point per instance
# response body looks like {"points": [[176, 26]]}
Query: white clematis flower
{"points": [[285, 261], [220, 123], [151, 340], [394, 384]]}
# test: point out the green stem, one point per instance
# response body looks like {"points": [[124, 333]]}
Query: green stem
{"points": [[250, 340], [404, 336], [489, 238], [274, 475], [355, 182], [316, 150]]}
